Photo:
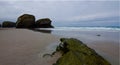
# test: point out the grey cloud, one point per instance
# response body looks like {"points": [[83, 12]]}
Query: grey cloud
{"points": [[56, 10]]}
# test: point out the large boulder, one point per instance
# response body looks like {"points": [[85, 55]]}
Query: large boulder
{"points": [[25, 21], [76, 53], [8, 24], [44, 23]]}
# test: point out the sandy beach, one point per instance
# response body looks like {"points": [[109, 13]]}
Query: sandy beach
{"points": [[25, 47], [60, 32]]}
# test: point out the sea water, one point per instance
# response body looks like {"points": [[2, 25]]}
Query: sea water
{"points": [[77, 32]]}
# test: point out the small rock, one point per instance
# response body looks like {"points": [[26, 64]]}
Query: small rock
{"points": [[98, 35]]}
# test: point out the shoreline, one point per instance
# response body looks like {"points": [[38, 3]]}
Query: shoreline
{"points": [[107, 44], [100, 44]]}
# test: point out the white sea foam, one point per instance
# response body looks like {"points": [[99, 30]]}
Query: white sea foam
{"points": [[83, 28]]}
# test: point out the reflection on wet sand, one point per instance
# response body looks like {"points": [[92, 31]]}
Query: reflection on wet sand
{"points": [[41, 30]]}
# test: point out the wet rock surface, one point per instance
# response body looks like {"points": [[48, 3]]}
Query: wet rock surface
{"points": [[74, 52]]}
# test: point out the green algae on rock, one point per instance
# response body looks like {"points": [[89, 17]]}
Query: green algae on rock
{"points": [[74, 52]]}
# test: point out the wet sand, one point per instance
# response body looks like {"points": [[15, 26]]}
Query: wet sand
{"points": [[25, 47], [104, 42], [107, 44]]}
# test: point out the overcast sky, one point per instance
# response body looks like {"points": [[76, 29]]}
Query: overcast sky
{"points": [[64, 12]]}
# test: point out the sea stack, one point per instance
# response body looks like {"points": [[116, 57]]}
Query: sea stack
{"points": [[8, 24], [44, 23], [25, 21]]}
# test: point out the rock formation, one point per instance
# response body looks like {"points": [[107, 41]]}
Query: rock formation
{"points": [[25, 21], [44, 23], [8, 24], [74, 52]]}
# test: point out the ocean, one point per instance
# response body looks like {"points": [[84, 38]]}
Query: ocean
{"points": [[85, 33], [77, 31]]}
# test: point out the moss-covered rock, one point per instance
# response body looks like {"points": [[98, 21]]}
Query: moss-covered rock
{"points": [[77, 53], [44, 23], [8, 24], [25, 21]]}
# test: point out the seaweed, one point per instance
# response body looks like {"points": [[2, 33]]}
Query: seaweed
{"points": [[75, 52]]}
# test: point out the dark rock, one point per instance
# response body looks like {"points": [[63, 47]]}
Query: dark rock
{"points": [[8, 24], [25, 21], [0, 25], [98, 35], [44, 23], [74, 52]]}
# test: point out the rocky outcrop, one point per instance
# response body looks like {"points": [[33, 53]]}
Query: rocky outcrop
{"points": [[44, 23], [74, 52], [8, 24], [25, 21]]}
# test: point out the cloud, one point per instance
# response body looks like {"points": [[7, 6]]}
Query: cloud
{"points": [[61, 0], [95, 16], [59, 11]]}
